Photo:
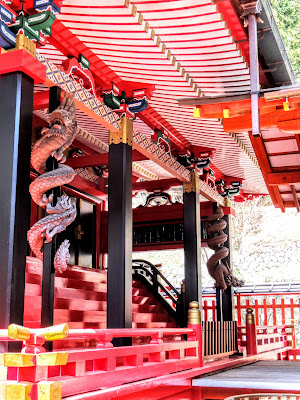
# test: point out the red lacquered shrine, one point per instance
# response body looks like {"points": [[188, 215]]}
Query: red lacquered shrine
{"points": [[187, 104]]}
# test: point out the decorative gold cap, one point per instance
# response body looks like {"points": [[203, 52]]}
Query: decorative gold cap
{"points": [[23, 43], [50, 390], [56, 332], [18, 391], [193, 185], [194, 315], [250, 319], [125, 134], [227, 202], [18, 332]]}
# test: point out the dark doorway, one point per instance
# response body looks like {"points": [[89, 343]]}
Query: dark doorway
{"points": [[82, 235]]}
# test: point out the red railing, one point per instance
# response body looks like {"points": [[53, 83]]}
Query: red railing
{"points": [[261, 339], [267, 338], [85, 370], [269, 310]]}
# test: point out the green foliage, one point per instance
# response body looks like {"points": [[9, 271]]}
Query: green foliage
{"points": [[287, 15]]}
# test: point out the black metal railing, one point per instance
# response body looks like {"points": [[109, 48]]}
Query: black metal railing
{"points": [[219, 338], [160, 287]]}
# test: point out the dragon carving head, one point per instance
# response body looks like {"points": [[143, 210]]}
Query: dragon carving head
{"points": [[62, 121]]}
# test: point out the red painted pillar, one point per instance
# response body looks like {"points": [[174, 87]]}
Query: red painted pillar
{"points": [[251, 339], [195, 323]]}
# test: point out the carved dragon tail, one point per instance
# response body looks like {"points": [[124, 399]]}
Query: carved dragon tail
{"points": [[220, 272]]}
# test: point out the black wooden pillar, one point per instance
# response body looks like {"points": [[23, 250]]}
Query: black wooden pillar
{"points": [[119, 277], [48, 282], [225, 300], [192, 242], [16, 101]]}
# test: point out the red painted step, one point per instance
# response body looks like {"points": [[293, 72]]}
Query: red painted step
{"points": [[80, 300]]}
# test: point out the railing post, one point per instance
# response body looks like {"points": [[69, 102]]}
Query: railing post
{"points": [[28, 372], [194, 322], [154, 277], [251, 339]]}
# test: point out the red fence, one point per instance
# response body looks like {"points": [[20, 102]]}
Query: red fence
{"points": [[260, 339], [85, 370], [269, 310]]}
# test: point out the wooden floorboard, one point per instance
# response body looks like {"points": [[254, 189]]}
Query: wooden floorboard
{"points": [[264, 375]]}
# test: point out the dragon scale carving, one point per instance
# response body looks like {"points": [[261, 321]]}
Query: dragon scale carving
{"points": [[220, 272], [55, 139]]}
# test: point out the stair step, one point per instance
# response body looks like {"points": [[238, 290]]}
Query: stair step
{"points": [[78, 284], [147, 308], [70, 293], [140, 292], [80, 300], [154, 325], [79, 305], [63, 316], [149, 317], [33, 290], [91, 275], [144, 300]]}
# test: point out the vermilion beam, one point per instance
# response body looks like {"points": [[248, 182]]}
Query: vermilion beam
{"points": [[295, 197], [283, 178], [163, 184], [21, 61], [95, 160], [41, 100], [66, 42], [153, 119], [88, 187], [266, 169], [298, 141]]}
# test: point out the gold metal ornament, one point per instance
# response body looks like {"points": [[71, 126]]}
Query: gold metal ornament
{"points": [[18, 360], [18, 332], [23, 43], [194, 313], [193, 186], [49, 390], [125, 134], [18, 391], [56, 332], [250, 318]]}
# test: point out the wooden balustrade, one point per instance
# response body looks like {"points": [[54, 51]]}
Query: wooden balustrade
{"points": [[219, 338], [270, 310], [261, 339], [78, 371]]}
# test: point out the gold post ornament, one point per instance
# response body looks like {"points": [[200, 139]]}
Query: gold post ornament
{"points": [[227, 202], [125, 134], [194, 314], [250, 319], [193, 185], [18, 332], [23, 43], [56, 332]]}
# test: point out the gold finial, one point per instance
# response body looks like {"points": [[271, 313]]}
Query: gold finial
{"points": [[194, 315], [18, 332], [56, 332], [250, 319]]}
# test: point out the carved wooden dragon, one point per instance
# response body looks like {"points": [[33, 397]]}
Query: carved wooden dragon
{"points": [[220, 272], [55, 139]]}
